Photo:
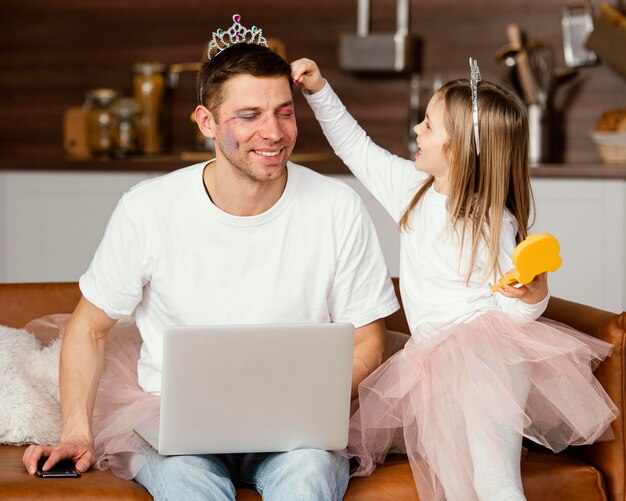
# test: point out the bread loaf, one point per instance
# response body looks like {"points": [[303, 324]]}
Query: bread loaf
{"points": [[612, 121]]}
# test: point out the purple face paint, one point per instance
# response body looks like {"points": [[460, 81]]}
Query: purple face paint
{"points": [[231, 142]]}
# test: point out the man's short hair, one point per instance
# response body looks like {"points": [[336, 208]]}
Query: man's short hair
{"points": [[240, 59]]}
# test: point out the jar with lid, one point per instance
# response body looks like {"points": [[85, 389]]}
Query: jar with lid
{"points": [[149, 85], [99, 120], [126, 115]]}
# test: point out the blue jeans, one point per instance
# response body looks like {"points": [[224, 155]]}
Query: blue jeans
{"points": [[305, 474]]}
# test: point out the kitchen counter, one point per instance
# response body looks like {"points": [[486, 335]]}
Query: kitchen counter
{"points": [[323, 162]]}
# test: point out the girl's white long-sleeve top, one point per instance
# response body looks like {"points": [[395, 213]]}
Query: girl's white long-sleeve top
{"points": [[433, 265]]}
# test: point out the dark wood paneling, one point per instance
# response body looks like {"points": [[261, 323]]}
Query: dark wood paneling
{"points": [[52, 51]]}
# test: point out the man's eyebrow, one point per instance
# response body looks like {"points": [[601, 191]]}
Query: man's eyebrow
{"points": [[256, 109]]}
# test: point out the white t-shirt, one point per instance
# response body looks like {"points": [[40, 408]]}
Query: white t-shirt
{"points": [[433, 264], [173, 258]]}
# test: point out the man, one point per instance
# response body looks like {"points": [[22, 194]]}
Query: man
{"points": [[247, 238]]}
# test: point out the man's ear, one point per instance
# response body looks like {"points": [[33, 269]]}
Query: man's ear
{"points": [[205, 120]]}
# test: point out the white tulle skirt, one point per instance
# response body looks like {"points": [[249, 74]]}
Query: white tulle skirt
{"points": [[457, 384]]}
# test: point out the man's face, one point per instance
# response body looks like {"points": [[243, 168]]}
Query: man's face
{"points": [[255, 126]]}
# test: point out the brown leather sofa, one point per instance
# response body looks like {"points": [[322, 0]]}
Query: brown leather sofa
{"points": [[580, 473]]}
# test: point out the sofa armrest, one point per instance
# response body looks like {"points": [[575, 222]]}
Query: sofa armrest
{"points": [[609, 456]]}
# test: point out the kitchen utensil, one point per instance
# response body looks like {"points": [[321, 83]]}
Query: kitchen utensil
{"points": [[577, 24], [541, 65], [526, 79], [507, 53], [364, 51], [559, 77], [538, 134]]}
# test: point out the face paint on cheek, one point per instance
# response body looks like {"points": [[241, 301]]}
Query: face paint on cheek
{"points": [[231, 142]]}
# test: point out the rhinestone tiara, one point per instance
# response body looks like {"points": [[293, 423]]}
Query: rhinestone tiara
{"points": [[474, 79], [236, 34]]}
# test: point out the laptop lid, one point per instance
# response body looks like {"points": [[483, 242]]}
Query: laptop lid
{"points": [[255, 388]]}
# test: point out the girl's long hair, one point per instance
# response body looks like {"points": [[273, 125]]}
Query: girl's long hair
{"points": [[483, 187]]}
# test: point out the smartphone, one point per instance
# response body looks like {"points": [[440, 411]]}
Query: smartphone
{"points": [[63, 469]]}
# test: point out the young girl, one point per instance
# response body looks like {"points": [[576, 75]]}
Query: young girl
{"points": [[479, 372]]}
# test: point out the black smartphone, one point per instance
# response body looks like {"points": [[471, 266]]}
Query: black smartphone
{"points": [[63, 469]]}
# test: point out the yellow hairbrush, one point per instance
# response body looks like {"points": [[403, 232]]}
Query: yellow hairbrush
{"points": [[536, 254]]}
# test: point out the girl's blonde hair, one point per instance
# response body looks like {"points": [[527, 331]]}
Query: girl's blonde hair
{"points": [[483, 187]]}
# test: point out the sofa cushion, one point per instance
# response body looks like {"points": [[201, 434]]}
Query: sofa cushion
{"points": [[546, 477]]}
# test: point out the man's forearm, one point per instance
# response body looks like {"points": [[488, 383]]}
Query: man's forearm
{"points": [[82, 360]]}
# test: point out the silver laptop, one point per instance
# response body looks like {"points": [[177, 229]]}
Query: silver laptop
{"points": [[254, 388]]}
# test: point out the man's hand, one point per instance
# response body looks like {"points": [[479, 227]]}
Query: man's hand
{"points": [[531, 293], [305, 71], [79, 451]]}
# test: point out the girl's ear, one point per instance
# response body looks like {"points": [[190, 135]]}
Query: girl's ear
{"points": [[206, 122]]}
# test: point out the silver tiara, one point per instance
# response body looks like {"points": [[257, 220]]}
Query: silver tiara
{"points": [[474, 79], [236, 34]]}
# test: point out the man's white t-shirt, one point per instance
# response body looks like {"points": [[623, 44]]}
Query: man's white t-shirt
{"points": [[171, 257]]}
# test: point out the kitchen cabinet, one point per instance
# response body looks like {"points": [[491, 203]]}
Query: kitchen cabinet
{"points": [[588, 217], [52, 222]]}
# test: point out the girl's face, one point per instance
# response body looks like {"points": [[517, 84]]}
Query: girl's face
{"points": [[431, 140]]}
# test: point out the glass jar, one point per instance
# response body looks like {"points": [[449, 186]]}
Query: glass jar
{"points": [[100, 120], [126, 115], [149, 88]]}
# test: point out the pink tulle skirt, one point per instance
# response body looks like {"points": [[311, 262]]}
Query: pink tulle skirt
{"points": [[121, 404], [457, 385]]}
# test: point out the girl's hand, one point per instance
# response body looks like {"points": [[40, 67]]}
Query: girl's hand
{"points": [[531, 293], [305, 71]]}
